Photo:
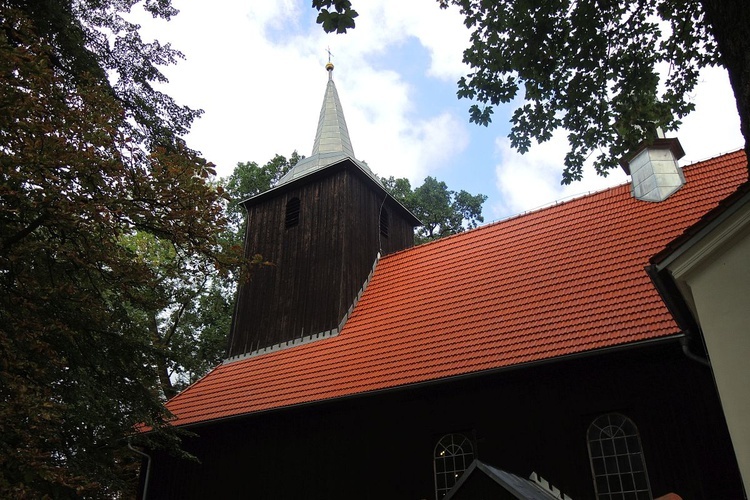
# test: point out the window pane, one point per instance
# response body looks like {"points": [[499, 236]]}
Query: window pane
{"points": [[614, 483], [621, 447], [602, 486], [623, 463], [628, 483], [453, 455], [616, 459], [441, 481], [641, 481], [633, 444]]}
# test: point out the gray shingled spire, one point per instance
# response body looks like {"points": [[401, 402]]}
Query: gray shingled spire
{"points": [[332, 135], [332, 143]]}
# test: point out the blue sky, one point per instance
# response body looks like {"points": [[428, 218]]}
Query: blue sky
{"points": [[256, 67]]}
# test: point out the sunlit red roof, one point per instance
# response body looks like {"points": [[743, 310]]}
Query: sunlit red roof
{"points": [[562, 280]]}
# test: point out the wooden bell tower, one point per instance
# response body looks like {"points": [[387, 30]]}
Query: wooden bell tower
{"points": [[322, 227]]}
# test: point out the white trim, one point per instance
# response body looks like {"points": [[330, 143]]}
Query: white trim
{"points": [[709, 241]]}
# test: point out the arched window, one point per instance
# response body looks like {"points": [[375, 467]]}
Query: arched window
{"points": [[384, 222], [292, 213], [617, 459], [453, 455]]}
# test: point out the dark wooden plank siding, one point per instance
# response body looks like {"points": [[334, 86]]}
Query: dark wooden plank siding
{"points": [[318, 266], [524, 420]]}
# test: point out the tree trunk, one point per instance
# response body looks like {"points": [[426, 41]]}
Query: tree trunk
{"points": [[162, 366], [729, 22], [164, 380]]}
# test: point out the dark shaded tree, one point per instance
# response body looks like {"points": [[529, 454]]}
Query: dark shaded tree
{"points": [[90, 156], [593, 68], [188, 311], [442, 211], [192, 305]]}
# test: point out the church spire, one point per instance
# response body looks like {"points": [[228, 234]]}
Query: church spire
{"points": [[332, 135], [332, 143]]}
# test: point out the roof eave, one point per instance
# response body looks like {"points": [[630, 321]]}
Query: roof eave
{"points": [[341, 164], [708, 223], [677, 336], [660, 269]]}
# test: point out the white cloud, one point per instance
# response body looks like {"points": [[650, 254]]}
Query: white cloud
{"points": [[714, 127], [256, 68], [257, 71], [384, 25], [386, 133], [247, 85], [532, 180]]}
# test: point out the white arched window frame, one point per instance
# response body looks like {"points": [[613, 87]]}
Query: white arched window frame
{"points": [[617, 462], [453, 455]]}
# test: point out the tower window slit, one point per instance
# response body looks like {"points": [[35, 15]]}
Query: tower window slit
{"points": [[384, 223], [292, 213]]}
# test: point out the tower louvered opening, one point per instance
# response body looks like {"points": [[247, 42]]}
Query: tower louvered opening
{"points": [[292, 213], [384, 223]]}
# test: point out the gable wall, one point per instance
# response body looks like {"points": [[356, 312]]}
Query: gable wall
{"points": [[719, 286]]}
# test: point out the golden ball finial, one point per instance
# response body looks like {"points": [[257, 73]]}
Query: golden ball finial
{"points": [[329, 66]]}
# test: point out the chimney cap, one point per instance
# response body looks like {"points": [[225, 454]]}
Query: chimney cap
{"points": [[671, 143]]}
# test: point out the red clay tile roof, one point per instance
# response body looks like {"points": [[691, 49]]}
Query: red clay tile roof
{"points": [[562, 280]]}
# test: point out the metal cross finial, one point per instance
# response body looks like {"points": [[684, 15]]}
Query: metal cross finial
{"points": [[329, 64]]}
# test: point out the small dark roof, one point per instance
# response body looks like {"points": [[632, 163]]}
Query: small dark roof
{"points": [[506, 485]]}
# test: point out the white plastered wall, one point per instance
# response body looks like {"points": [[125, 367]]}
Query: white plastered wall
{"points": [[715, 278]]}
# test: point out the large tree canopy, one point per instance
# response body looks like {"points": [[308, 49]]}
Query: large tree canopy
{"points": [[607, 72], [443, 212], [91, 160], [190, 309]]}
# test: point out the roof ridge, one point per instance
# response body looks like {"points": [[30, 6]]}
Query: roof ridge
{"points": [[731, 152], [493, 223], [554, 204]]}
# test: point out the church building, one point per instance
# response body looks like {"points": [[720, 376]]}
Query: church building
{"points": [[535, 357]]}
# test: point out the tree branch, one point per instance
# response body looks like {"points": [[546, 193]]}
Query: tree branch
{"points": [[36, 223]]}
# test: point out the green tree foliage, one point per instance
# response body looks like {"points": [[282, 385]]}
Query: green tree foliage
{"points": [[90, 159], [188, 311], [443, 212], [192, 306], [592, 68], [335, 15]]}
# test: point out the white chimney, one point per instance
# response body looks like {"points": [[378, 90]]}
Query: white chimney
{"points": [[653, 168]]}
